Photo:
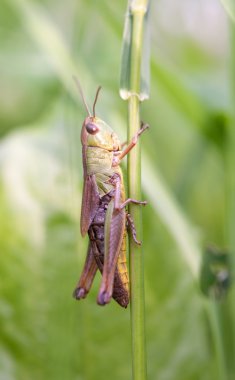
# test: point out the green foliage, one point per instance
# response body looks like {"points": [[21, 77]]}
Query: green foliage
{"points": [[44, 333], [215, 273], [229, 6]]}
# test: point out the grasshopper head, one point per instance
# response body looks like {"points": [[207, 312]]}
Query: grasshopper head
{"points": [[96, 133]]}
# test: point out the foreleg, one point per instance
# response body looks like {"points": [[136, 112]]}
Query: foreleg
{"points": [[117, 159]]}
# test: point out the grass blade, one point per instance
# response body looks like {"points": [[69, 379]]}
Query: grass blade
{"points": [[125, 79]]}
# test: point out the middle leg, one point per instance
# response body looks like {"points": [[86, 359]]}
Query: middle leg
{"points": [[116, 180]]}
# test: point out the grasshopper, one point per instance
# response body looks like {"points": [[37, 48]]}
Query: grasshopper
{"points": [[103, 214]]}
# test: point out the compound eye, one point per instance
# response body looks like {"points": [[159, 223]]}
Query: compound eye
{"points": [[92, 128]]}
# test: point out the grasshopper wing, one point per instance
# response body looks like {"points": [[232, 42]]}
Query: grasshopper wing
{"points": [[114, 232], [90, 203]]}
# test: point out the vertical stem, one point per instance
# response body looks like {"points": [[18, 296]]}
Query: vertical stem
{"points": [[230, 172], [213, 312], [134, 187], [231, 148]]}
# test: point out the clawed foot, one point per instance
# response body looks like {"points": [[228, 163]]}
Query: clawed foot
{"points": [[143, 127], [79, 293], [104, 298]]}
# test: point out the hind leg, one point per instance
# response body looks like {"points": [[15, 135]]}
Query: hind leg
{"points": [[131, 225], [87, 276]]}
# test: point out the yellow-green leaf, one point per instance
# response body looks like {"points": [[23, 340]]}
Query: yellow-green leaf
{"points": [[229, 6]]}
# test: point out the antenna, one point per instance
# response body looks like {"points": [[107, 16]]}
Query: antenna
{"points": [[96, 97], [82, 95]]}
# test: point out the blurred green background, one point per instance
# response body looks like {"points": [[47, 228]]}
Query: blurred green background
{"points": [[44, 333]]}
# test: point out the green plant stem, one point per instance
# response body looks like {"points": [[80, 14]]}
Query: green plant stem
{"points": [[213, 313], [230, 194], [134, 188], [136, 258], [231, 149]]}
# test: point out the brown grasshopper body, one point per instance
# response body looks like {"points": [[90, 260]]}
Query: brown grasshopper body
{"points": [[103, 214], [97, 237]]}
